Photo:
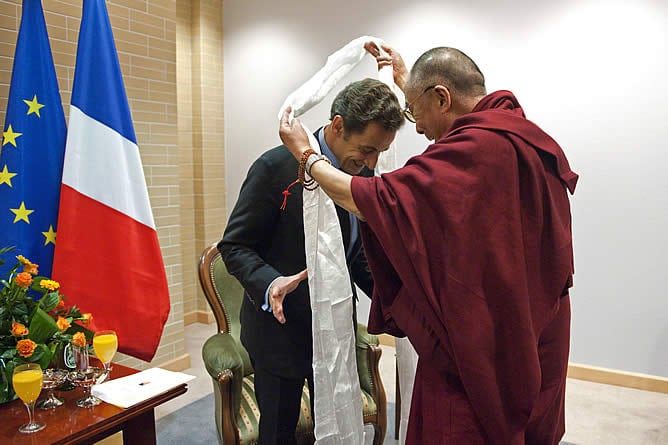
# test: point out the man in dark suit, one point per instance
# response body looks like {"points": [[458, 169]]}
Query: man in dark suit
{"points": [[263, 247]]}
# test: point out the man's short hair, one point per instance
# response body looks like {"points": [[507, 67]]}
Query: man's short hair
{"points": [[365, 101]]}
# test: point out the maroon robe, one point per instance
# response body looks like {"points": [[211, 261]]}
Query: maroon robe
{"points": [[471, 250]]}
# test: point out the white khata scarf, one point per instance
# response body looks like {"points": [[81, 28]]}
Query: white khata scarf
{"points": [[338, 400]]}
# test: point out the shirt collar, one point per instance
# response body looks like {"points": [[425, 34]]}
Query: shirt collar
{"points": [[325, 148]]}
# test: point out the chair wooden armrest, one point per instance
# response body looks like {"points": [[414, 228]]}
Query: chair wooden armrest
{"points": [[368, 358], [224, 364]]}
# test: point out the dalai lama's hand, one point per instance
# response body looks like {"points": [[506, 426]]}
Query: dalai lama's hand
{"points": [[389, 57], [280, 288], [293, 135]]}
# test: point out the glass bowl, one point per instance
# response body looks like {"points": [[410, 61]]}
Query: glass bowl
{"points": [[86, 378], [51, 379]]}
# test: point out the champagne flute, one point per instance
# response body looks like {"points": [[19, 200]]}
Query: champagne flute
{"points": [[105, 344], [27, 383]]}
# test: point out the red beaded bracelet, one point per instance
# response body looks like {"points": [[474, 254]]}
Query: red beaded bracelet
{"points": [[301, 172], [308, 184]]}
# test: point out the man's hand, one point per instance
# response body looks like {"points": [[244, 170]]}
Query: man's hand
{"points": [[281, 287], [389, 57], [293, 135]]}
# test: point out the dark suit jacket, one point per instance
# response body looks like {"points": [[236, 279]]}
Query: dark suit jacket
{"points": [[262, 242]]}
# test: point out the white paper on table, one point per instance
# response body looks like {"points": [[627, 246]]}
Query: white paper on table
{"points": [[132, 389]]}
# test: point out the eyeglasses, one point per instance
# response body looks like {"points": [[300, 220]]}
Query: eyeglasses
{"points": [[408, 114]]}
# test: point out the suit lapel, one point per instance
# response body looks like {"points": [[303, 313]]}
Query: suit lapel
{"points": [[344, 222]]}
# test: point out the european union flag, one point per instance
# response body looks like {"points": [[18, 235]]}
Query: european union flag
{"points": [[33, 146]]}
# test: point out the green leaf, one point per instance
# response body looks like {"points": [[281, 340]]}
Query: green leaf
{"points": [[50, 301], [75, 312], [21, 310], [42, 327], [9, 354], [38, 353], [4, 250], [42, 355], [6, 391], [57, 359]]}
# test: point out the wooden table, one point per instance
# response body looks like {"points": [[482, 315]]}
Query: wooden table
{"points": [[69, 424]]}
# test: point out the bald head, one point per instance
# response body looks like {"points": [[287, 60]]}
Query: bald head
{"points": [[450, 67]]}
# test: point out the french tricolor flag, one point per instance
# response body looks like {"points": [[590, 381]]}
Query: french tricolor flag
{"points": [[107, 256]]}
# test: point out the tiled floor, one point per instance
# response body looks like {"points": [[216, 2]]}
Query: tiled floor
{"points": [[596, 414]]}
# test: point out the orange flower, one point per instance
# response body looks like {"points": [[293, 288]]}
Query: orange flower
{"points": [[26, 348], [30, 268], [79, 339], [61, 302], [51, 285], [19, 329], [87, 317], [23, 280], [62, 323]]}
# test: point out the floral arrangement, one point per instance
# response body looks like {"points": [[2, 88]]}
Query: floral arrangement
{"points": [[35, 324]]}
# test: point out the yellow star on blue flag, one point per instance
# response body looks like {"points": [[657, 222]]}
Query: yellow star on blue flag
{"points": [[9, 136], [50, 236], [33, 146], [33, 105], [6, 176], [21, 213]]}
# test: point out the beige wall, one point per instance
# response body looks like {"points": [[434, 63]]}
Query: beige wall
{"points": [[171, 60], [200, 84]]}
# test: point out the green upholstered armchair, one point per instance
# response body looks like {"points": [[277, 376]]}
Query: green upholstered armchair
{"points": [[229, 366]]}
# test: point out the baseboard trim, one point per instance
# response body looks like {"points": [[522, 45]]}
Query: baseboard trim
{"points": [[177, 364], [618, 378], [198, 316], [594, 374]]}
